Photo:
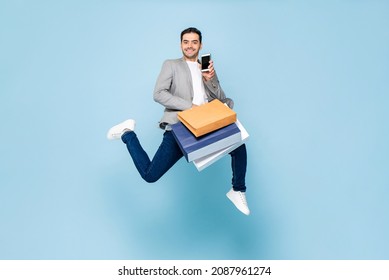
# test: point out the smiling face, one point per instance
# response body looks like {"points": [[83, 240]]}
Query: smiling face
{"points": [[190, 46]]}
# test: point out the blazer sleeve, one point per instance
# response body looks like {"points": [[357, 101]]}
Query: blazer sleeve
{"points": [[163, 93], [215, 91]]}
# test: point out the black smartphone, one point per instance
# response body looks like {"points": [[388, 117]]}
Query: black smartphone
{"points": [[205, 59]]}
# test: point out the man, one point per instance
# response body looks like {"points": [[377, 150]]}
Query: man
{"points": [[181, 85]]}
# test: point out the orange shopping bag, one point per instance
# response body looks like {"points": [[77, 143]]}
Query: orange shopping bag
{"points": [[207, 117]]}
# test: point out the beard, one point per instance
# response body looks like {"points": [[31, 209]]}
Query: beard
{"points": [[190, 55]]}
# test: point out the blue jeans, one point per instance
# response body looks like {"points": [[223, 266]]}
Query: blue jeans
{"points": [[169, 153]]}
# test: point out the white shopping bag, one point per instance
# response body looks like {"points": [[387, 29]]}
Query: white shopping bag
{"points": [[206, 161]]}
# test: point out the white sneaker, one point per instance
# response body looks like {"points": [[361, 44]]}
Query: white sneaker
{"points": [[239, 200], [117, 131]]}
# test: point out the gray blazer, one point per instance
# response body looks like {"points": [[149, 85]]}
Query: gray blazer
{"points": [[174, 90]]}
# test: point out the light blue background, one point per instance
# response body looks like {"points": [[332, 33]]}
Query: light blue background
{"points": [[310, 83]]}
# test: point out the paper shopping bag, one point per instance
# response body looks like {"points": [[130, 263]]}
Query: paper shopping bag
{"points": [[198, 147], [207, 117], [208, 160]]}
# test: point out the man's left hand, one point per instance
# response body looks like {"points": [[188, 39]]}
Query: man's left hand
{"points": [[210, 74]]}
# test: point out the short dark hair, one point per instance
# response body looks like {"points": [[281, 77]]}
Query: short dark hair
{"points": [[191, 30]]}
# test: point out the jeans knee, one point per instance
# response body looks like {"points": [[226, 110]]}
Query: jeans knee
{"points": [[150, 179]]}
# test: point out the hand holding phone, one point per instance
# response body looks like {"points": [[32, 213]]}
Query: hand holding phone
{"points": [[205, 60]]}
